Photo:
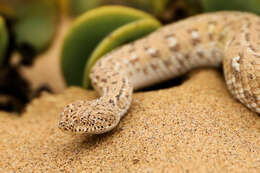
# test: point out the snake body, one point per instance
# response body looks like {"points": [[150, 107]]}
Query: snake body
{"points": [[232, 38]]}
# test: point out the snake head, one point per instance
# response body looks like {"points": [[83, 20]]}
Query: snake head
{"points": [[84, 117]]}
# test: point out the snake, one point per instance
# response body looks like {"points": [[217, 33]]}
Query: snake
{"points": [[227, 38]]}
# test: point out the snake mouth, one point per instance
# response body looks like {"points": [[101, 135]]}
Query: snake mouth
{"points": [[64, 128], [71, 131], [97, 128]]}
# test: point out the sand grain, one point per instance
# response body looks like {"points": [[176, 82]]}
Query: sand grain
{"points": [[195, 127]]}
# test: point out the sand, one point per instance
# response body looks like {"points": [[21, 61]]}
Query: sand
{"points": [[194, 127]]}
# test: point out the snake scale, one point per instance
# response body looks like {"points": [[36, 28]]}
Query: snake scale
{"points": [[209, 39]]}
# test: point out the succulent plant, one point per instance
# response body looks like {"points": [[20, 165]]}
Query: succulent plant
{"points": [[77, 7], [90, 37], [33, 24], [153, 6]]}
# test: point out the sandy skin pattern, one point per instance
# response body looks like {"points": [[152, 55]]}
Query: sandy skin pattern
{"points": [[204, 40]]}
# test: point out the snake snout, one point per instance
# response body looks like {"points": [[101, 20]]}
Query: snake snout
{"points": [[69, 118], [87, 118]]}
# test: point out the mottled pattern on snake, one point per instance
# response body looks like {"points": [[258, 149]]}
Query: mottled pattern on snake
{"points": [[204, 40]]}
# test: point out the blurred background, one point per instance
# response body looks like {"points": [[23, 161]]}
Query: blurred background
{"points": [[30, 59]]}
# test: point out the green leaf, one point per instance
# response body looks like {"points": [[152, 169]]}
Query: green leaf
{"points": [[35, 24]]}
